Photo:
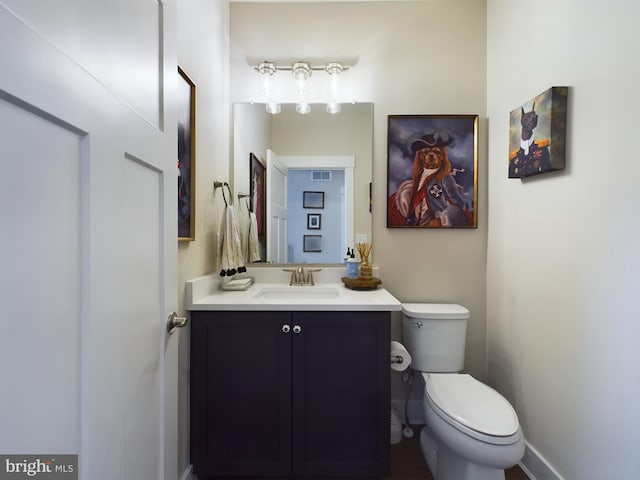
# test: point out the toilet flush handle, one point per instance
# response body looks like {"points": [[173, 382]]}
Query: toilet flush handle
{"points": [[417, 324]]}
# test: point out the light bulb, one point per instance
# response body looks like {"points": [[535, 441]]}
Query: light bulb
{"points": [[303, 107], [273, 108], [333, 107]]}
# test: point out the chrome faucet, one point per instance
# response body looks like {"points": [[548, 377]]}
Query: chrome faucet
{"points": [[300, 276]]}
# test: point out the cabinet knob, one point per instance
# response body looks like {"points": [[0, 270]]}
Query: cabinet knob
{"points": [[286, 328], [297, 329], [417, 324]]}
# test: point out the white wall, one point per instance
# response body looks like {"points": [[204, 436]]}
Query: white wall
{"points": [[410, 58], [563, 257], [203, 51]]}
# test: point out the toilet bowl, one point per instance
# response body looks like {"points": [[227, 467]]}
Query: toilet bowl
{"points": [[473, 427], [472, 432]]}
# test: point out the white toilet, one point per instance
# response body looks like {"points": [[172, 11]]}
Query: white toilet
{"points": [[472, 432]]}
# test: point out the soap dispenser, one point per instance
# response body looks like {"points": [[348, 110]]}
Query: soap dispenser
{"points": [[352, 266]]}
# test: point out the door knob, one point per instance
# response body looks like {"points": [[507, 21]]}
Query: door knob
{"points": [[174, 321]]}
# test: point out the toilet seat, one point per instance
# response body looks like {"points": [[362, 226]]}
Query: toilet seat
{"points": [[472, 407]]}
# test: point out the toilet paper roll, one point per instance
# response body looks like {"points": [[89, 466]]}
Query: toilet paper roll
{"points": [[400, 358]]}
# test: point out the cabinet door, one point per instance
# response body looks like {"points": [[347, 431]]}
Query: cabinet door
{"points": [[341, 394], [240, 394]]}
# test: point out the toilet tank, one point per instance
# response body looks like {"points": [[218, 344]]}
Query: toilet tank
{"points": [[435, 335]]}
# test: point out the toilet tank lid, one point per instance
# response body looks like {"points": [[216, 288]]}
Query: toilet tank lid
{"points": [[436, 311]]}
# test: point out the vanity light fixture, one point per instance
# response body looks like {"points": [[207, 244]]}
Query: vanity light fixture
{"points": [[301, 71]]}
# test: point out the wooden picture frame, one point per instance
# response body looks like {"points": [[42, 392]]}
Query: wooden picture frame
{"points": [[186, 156], [314, 221], [432, 171], [258, 192], [313, 200]]}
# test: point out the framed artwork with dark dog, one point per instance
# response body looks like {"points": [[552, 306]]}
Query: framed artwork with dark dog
{"points": [[257, 192], [432, 171], [537, 132], [186, 156]]}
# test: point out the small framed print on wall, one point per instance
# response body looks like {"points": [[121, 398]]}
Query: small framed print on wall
{"points": [[314, 221], [312, 243], [313, 200]]}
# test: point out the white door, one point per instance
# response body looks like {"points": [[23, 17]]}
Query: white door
{"points": [[277, 246], [88, 246]]}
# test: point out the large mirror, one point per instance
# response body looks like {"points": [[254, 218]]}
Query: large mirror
{"points": [[305, 178]]}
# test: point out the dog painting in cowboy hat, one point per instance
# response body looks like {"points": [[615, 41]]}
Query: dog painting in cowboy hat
{"points": [[431, 197]]}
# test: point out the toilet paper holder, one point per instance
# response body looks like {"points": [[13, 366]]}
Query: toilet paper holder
{"points": [[397, 359], [400, 358]]}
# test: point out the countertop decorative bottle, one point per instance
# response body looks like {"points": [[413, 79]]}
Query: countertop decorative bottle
{"points": [[352, 266]]}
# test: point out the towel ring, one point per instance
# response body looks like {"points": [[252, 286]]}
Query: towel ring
{"points": [[217, 185], [247, 198]]}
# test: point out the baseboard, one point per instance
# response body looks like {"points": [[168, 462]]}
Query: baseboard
{"points": [[188, 474], [536, 466]]}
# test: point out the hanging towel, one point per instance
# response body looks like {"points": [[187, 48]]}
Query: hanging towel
{"points": [[254, 244], [231, 251]]}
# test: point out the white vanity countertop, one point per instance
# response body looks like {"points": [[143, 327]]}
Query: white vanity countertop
{"points": [[203, 294]]}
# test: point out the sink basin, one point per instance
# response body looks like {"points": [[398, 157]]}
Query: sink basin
{"points": [[287, 292]]}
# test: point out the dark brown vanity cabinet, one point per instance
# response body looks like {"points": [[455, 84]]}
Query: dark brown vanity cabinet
{"points": [[290, 394]]}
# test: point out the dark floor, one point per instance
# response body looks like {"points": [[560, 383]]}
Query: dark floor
{"points": [[407, 462]]}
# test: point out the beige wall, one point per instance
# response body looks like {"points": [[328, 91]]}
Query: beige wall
{"points": [[410, 58], [203, 51], [563, 257]]}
